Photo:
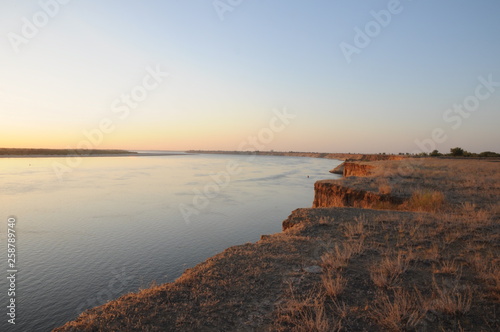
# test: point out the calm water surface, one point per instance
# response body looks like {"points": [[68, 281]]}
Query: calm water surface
{"points": [[114, 224]]}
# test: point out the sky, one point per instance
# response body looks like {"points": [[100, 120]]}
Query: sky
{"points": [[286, 75]]}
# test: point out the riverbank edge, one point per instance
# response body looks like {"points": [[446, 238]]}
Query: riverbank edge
{"points": [[301, 216]]}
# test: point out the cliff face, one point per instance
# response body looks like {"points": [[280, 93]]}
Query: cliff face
{"points": [[352, 167], [330, 194], [339, 169], [375, 157], [355, 169]]}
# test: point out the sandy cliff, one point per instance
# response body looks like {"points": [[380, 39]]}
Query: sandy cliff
{"points": [[352, 167], [356, 169], [329, 193]]}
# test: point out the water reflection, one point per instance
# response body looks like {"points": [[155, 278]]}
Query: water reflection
{"points": [[120, 215]]}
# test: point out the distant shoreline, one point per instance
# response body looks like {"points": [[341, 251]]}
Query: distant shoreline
{"points": [[61, 153], [325, 155]]}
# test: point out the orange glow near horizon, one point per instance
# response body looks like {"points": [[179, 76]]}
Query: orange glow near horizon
{"points": [[140, 139]]}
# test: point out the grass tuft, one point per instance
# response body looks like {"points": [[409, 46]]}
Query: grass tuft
{"points": [[403, 312], [452, 300], [386, 272], [333, 283]]}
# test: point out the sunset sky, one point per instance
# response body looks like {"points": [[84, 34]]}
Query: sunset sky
{"points": [[359, 76]]}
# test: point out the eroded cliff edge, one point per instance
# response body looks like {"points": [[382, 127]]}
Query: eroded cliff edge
{"points": [[329, 193], [352, 192]]}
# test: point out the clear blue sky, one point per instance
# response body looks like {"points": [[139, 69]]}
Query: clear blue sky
{"points": [[226, 76]]}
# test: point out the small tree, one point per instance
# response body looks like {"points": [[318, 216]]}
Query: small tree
{"points": [[435, 153], [457, 152]]}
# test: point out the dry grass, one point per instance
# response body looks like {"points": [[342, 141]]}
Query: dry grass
{"points": [[454, 234], [305, 313], [386, 272], [433, 253], [324, 221], [313, 318], [433, 244], [337, 258], [353, 230], [475, 181], [452, 300], [494, 209], [404, 311], [333, 283], [356, 246], [426, 200], [447, 267], [487, 268]]}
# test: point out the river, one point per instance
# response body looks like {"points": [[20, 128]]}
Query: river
{"points": [[113, 225]]}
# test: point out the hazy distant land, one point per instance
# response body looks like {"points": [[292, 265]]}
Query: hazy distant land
{"points": [[31, 152], [59, 152], [27, 152]]}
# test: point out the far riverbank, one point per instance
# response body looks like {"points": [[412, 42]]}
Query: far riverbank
{"points": [[325, 155], [61, 153]]}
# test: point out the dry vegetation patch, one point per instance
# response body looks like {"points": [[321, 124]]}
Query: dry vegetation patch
{"points": [[401, 311], [386, 272], [435, 270]]}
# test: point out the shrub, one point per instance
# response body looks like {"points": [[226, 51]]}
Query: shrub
{"points": [[426, 200], [457, 152], [489, 154]]}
